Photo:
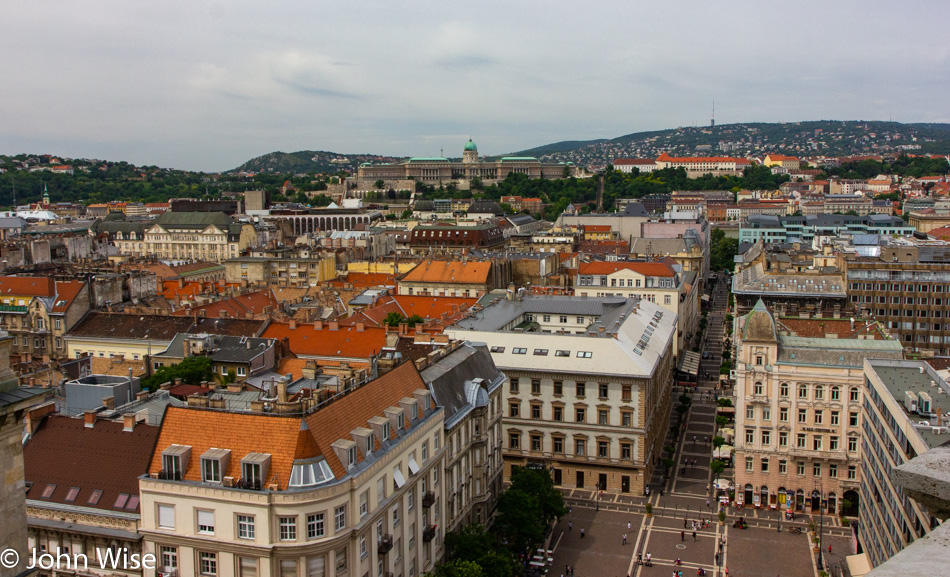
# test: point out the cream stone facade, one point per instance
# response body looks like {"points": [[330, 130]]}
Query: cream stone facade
{"points": [[206, 236], [369, 503], [592, 408], [798, 396]]}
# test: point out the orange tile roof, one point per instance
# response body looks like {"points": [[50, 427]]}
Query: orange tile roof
{"points": [[242, 433], [237, 307], [450, 272], [284, 438], [644, 268], [427, 307], [27, 286], [597, 228], [344, 342], [66, 293], [781, 157]]}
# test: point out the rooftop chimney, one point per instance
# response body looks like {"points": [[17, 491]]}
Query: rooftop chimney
{"points": [[109, 402], [334, 326], [128, 422], [141, 396], [281, 391], [318, 325], [292, 325], [90, 419], [360, 327]]}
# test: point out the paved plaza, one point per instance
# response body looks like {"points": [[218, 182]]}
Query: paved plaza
{"points": [[761, 550]]}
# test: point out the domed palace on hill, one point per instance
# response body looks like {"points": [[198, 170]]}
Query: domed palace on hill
{"points": [[440, 170]]}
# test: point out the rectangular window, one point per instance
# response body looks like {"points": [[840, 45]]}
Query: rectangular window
{"points": [[245, 527], [782, 467], [514, 441], [852, 445], [513, 386], [625, 393], [206, 522], [766, 437], [580, 389], [562, 353], [800, 468], [580, 447], [801, 440], [852, 419], [603, 449], [315, 528], [558, 413], [535, 442], [748, 464], [541, 352], [749, 436], [626, 418], [602, 417], [169, 557], [166, 516], [783, 414], [816, 469], [513, 410], [339, 516], [816, 443], [782, 439], [580, 416], [764, 466], [584, 354], [833, 444], [558, 388], [835, 417], [535, 386], [852, 472], [626, 451], [604, 389], [819, 416], [519, 351], [364, 504], [287, 528], [558, 445], [750, 413], [802, 415], [208, 564], [833, 471]]}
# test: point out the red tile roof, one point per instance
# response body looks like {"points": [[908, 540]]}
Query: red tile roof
{"points": [[427, 307], [450, 272], [284, 438], [27, 286], [65, 453], [344, 342], [667, 158], [644, 268], [66, 293], [597, 228], [237, 307], [364, 280]]}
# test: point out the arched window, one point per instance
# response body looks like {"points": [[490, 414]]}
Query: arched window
{"points": [[853, 395], [802, 392], [757, 389], [835, 393], [783, 391]]}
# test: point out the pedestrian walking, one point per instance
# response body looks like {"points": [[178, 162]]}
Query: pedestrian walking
{"points": [[582, 532], [624, 538], [707, 503], [684, 522], [682, 535], [570, 525], [694, 536], [628, 525], [829, 548]]}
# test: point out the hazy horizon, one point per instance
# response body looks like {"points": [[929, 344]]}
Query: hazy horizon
{"points": [[209, 86]]}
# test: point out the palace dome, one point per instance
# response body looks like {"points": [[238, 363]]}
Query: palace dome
{"points": [[470, 146]]}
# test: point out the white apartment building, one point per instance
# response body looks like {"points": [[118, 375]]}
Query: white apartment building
{"points": [[590, 383]]}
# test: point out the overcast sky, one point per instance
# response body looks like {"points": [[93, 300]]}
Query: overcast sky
{"points": [[207, 85]]}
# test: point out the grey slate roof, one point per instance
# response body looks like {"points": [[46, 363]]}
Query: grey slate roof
{"points": [[194, 219], [451, 380]]}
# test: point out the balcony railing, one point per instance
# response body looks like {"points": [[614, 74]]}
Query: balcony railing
{"points": [[428, 534], [384, 544], [428, 499]]}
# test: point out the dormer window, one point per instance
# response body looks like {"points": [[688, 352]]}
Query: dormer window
{"points": [[386, 431], [254, 469], [351, 457], [175, 461], [213, 463], [401, 420]]}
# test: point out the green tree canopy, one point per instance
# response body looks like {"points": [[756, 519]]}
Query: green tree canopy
{"points": [[191, 370]]}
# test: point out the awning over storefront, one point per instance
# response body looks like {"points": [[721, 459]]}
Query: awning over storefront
{"points": [[689, 364]]}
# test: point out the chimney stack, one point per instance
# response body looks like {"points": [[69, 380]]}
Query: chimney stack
{"points": [[109, 402], [281, 391], [318, 325], [128, 422], [90, 419], [141, 395], [360, 327], [292, 325]]}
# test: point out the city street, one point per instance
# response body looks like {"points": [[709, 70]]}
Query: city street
{"points": [[764, 549]]}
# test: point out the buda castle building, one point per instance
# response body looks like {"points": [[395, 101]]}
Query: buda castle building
{"points": [[440, 170]]}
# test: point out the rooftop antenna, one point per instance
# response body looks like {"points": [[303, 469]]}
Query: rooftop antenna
{"points": [[712, 123]]}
